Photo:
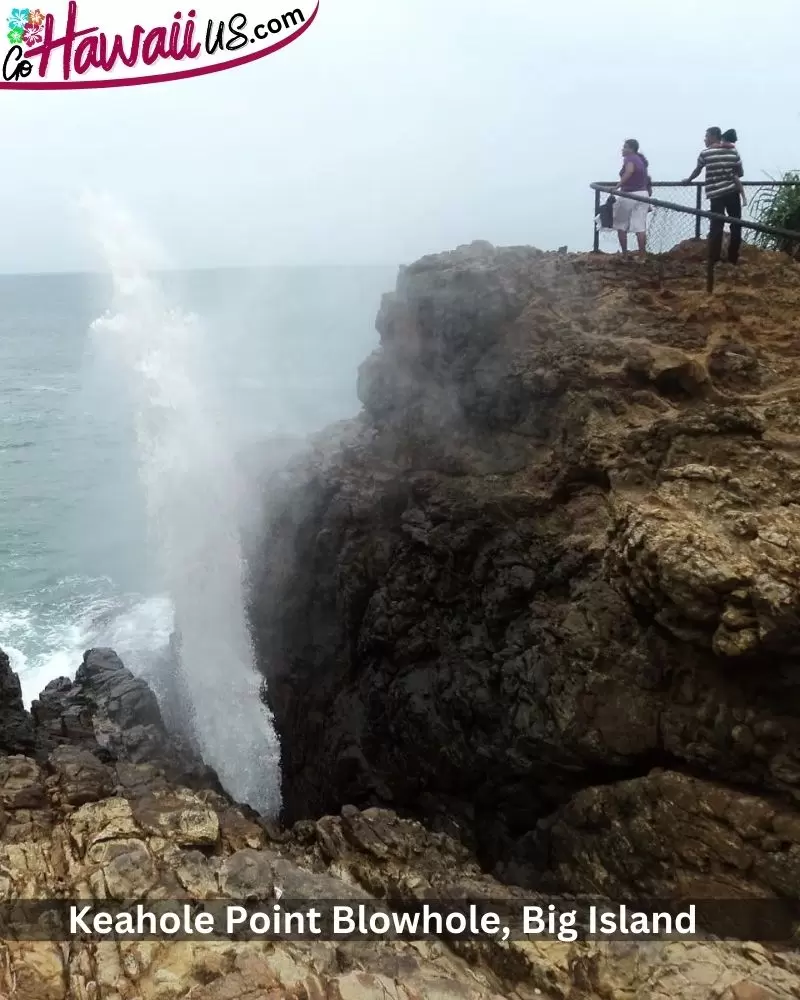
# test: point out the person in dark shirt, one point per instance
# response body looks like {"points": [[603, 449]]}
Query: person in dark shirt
{"points": [[723, 168], [729, 140]]}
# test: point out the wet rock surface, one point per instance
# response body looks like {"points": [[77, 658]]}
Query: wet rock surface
{"points": [[559, 549], [115, 716], [83, 825], [16, 728]]}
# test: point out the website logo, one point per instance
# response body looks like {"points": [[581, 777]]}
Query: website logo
{"points": [[97, 44]]}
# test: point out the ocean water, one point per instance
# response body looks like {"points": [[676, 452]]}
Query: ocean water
{"points": [[79, 564]]}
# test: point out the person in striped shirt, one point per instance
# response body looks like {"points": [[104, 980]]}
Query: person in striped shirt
{"points": [[723, 167]]}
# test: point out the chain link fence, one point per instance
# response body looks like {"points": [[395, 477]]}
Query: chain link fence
{"points": [[666, 228]]}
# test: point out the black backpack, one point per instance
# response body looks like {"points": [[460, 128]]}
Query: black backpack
{"points": [[605, 217]]}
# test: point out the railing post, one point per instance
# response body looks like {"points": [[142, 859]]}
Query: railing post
{"points": [[596, 243], [699, 205]]}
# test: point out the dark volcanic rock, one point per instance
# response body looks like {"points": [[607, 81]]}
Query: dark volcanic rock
{"points": [[79, 776], [561, 547], [115, 716], [665, 836], [16, 728]]}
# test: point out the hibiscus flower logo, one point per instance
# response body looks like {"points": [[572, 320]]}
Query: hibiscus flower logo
{"points": [[26, 26], [19, 18], [33, 34]]}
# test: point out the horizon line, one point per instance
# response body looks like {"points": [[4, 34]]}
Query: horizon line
{"points": [[205, 267]]}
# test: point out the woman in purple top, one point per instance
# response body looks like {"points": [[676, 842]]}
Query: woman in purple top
{"points": [[631, 216]]}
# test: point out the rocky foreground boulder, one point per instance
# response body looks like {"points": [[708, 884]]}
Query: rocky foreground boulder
{"points": [[100, 819], [545, 592]]}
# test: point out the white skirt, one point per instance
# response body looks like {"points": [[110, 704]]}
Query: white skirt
{"points": [[631, 216]]}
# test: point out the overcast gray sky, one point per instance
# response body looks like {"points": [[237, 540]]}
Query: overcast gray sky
{"points": [[394, 128]]}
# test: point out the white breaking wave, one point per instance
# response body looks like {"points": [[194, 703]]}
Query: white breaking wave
{"points": [[51, 641], [193, 497]]}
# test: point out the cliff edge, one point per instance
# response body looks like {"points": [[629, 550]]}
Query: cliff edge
{"points": [[544, 592]]}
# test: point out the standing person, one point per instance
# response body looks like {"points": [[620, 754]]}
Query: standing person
{"points": [[723, 168], [631, 216], [729, 140]]}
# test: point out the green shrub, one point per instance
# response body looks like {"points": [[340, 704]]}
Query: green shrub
{"points": [[779, 206]]}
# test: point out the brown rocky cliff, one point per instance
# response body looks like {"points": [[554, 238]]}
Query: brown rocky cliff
{"points": [[548, 587], [99, 819]]}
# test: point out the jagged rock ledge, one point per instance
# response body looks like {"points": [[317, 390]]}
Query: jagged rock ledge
{"points": [[92, 810], [545, 592]]}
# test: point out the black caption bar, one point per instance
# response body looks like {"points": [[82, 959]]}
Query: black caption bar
{"points": [[775, 921]]}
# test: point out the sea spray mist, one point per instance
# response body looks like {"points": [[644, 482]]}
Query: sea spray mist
{"points": [[192, 492]]}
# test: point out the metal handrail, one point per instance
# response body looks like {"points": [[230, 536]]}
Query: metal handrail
{"points": [[700, 213], [700, 184]]}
